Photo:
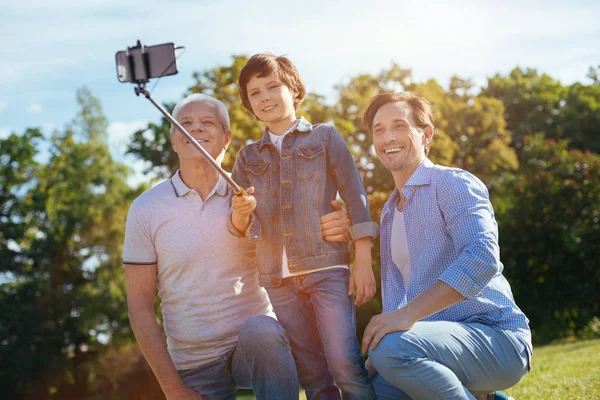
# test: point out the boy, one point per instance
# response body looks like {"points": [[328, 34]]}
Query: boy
{"points": [[294, 173]]}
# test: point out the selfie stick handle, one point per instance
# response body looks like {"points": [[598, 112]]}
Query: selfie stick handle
{"points": [[236, 188]]}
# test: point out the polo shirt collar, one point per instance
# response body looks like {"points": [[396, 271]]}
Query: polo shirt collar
{"points": [[181, 189]]}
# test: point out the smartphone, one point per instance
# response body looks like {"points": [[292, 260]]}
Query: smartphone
{"points": [[156, 61]]}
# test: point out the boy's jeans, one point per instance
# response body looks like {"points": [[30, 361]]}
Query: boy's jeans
{"points": [[447, 360], [318, 316], [262, 361]]}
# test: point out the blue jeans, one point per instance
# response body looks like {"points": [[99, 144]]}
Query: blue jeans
{"points": [[319, 319], [447, 360], [262, 361]]}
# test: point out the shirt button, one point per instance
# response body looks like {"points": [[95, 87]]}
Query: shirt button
{"points": [[274, 218], [275, 247], [273, 194]]}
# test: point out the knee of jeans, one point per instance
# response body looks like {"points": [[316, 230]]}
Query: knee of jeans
{"points": [[395, 350], [262, 332]]}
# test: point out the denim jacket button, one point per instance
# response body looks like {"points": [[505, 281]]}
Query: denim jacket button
{"points": [[275, 247], [273, 194], [274, 281], [274, 218]]}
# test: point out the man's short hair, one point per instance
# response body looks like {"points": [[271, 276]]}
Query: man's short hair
{"points": [[203, 98], [421, 109], [264, 64]]}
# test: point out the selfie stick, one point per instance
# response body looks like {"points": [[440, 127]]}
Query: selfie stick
{"points": [[141, 88]]}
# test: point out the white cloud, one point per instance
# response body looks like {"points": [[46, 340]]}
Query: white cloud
{"points": [[4, 132], [120, 133], [35, 108]]}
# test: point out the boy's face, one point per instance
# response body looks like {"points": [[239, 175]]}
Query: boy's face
{"points": [[271, 99]]}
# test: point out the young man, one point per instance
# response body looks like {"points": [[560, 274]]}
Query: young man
{"points": [[450, 327], [221, 331]]}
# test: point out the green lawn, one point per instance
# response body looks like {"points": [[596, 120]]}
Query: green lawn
{"points": [[567, 371], [562, 371]]}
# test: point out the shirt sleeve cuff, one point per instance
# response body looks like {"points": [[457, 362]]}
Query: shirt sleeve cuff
{"points": [[364, 229], [461, 283], [252, 233]]}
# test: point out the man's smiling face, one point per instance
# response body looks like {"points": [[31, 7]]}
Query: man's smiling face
{"points": [[201, 119], [398, 142]]}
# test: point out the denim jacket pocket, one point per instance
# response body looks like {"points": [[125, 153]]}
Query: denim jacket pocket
{"points": [[258, 175], [310, 162]]}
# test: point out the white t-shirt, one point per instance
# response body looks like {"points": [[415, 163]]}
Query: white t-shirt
{"points": [[207, 278], [399, 247], [277, 141]]}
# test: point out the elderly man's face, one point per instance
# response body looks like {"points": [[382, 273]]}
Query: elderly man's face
{"points": [[398, 142], [202, 121]]}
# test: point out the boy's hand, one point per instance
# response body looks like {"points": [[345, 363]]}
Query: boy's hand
{"points": [[362, 276], [363, 279], [242, 208]]}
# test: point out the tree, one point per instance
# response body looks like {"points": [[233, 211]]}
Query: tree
{"points": [[57, 299], [549, 220]]}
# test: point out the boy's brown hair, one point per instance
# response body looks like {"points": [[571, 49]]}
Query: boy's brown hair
{"points": [[264, 64]]}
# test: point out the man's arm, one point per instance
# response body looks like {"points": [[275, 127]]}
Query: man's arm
{"points": [[141, 288], [436, 298], [335, 225]]}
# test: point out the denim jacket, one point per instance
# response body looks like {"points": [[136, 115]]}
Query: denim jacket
{"points": [[293, 191]]}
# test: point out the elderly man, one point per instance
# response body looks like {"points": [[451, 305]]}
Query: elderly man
{"points": [[221, 331], [450, 327]]}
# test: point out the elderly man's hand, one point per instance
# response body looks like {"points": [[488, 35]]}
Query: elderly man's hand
{"points": [[242, 206], [385, 323], [335, 224]]}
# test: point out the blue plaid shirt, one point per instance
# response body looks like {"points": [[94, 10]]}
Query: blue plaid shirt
{"points": [[452, 237]]}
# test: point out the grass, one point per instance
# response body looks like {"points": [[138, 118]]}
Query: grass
{"points": [[568, 370]]}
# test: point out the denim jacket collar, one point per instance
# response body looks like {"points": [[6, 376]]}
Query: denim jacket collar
{"points": [[303, 126]]}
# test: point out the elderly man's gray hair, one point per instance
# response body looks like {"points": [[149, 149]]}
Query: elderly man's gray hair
{"points": [[203, 98]]}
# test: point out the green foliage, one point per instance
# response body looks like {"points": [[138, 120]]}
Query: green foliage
{"points": [[66, 282], [591, 330], [540, 104], [549, 219], [153, 144]]}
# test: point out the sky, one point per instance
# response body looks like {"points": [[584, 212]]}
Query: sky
{"points": [[49, 49]]}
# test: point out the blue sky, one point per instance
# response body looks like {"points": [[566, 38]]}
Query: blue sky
{"points": [[48, 49]]}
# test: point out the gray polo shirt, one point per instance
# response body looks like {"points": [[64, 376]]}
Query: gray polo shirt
{"points": [[207, 278]]}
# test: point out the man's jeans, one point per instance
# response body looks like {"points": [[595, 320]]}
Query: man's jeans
{"points": [[318, 316], [447, 360], [262, 361]]}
